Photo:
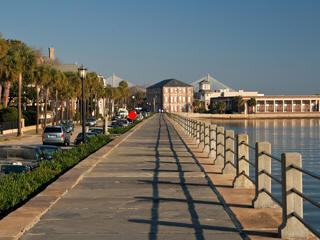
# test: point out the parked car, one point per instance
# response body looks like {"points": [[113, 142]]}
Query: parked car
{"points": [[78, 139], [26, 157], [91, 122], [123, 123], [68, 126], [48, 151], [55, 135], [39, 156], [11, 168], [96, 130]]}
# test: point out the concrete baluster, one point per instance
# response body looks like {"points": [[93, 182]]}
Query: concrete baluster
{"points": [[229, 142], [220, 147], [198, 133], [201, 144], [291, 178], [206, 148], [262, 181], [213, 141], [242, 180]]}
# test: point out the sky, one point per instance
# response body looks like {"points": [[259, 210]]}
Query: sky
{"points": [[270, 46]]}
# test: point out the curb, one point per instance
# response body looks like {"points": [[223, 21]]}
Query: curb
{"points": [[14, 225]]}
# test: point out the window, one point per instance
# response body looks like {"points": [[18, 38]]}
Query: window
{"points": [[166, 99], [303, 107], [267, 107], [189, 99], [184, 90], [180, 99], [172, 90], [294, 105], [171, 108], [285, 107], [166, 90], [183, 99], [258, 107], [171, 99], [175, 107], [175, 99]]}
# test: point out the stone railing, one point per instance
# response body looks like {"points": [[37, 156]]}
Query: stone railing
{"points": [[232, 154]]}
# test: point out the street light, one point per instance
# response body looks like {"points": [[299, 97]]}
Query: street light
{"points": [[82, 73], [133, 97]]}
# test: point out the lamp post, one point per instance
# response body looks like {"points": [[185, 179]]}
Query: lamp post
{"points": [[82, 73], [133, 97]]}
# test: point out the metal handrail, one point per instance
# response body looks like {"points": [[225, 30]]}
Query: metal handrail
{"points": [[273, 197], [305, 171], [246, 144], [311, 229], [305, 197], [272, 177], [251, 163], [272, 157]]}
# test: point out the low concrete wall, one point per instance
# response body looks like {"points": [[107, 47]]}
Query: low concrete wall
{"points": [[252, 116], [29, 128]]}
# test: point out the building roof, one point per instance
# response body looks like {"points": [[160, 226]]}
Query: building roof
{"points": [[170, 83], [205, 81], [67, 67]]}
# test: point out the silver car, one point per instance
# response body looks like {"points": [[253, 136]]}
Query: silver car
{"points": [[55, 135]]}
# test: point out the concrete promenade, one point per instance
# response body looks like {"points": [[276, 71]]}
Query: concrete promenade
{"points": [[149, 187]]}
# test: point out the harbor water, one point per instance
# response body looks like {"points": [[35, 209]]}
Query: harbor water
{"points": [[286, 135]]}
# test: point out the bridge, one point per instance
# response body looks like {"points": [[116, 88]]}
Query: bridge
{"points": [[153, 182]]}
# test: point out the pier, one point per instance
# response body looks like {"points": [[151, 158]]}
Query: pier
{"points": [[170, 177]]}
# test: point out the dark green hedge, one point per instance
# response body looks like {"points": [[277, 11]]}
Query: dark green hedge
{"points": [[17, 188], [8, 114]]}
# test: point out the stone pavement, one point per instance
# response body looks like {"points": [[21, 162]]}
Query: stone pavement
{"points": [[149, 187]]}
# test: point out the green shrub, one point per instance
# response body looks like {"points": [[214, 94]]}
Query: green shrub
{"points": [[30, 117], [17, 188], [8, 114]]}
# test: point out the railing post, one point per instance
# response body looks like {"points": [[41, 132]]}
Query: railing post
{"points": [[229, 167], [262, 181], [220, 146], [291, 227], [241, 180], [213, 141], [201, 144], [198, 133], [194, 129], [206, 148]]}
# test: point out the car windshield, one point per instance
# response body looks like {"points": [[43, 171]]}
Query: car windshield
{"points": [[18, 153], [53, 130], [48, 152]]}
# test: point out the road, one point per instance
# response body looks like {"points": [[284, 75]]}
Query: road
{"points": [[36, 139]]}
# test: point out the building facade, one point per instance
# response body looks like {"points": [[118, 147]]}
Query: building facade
{"points": [[170, 95], [205, 94], [275, 104]]}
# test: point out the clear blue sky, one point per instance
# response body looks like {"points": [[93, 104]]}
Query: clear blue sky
{"points": [[272, 46]]}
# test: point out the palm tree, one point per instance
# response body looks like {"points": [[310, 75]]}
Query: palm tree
{"points": [[252, 103], [3, 53], [238, 103], [19, 61]]}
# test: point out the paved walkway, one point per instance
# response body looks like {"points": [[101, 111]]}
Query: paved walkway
{"points": [[149, 187]]}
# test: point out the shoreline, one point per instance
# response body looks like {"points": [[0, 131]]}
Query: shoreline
{"points": [[315, 115]]}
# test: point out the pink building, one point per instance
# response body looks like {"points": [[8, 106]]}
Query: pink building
{"points": [[170, 95]]}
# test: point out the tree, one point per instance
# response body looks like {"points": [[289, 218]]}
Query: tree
{"points": [[237, 104], [252, 102], [18, 63], [219, 107], [3, 53]]}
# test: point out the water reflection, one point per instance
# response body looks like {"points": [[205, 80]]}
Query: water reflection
{"points": [[286, 135]]}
